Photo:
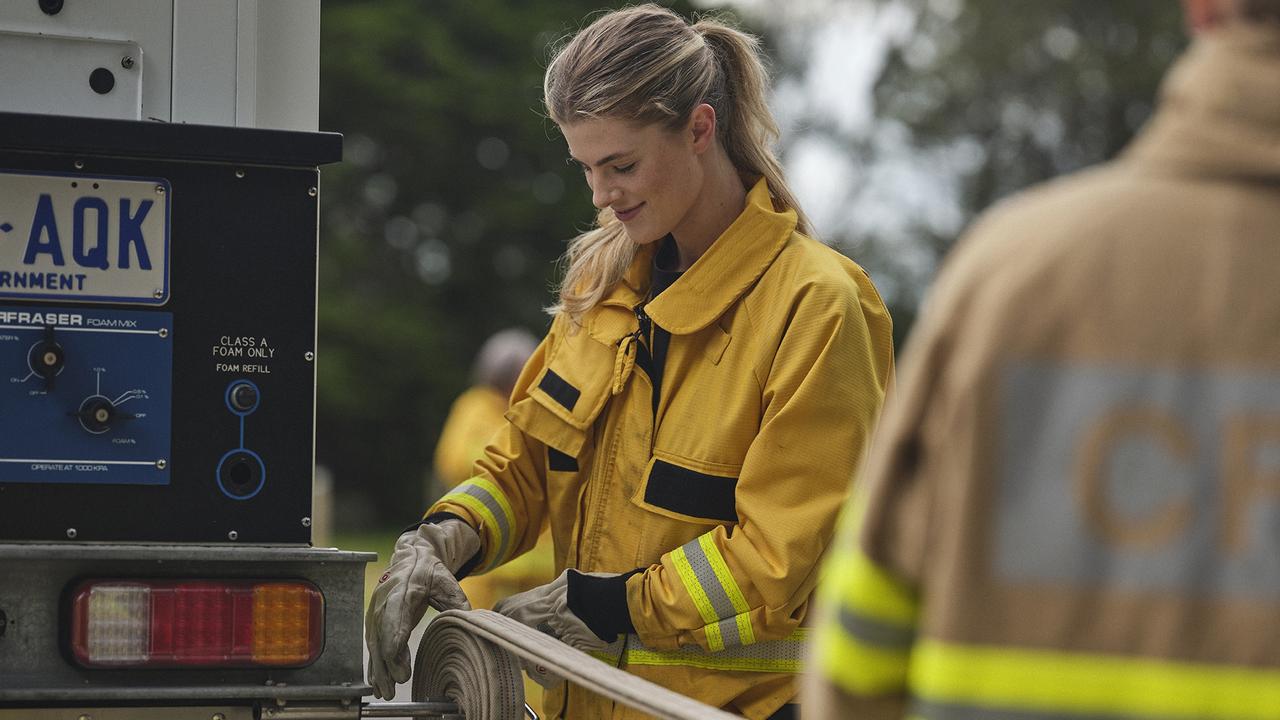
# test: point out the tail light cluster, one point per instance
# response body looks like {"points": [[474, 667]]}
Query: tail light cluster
{"points": [[196, 623]]}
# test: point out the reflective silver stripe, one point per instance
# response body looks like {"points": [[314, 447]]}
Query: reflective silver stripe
{"points": [[711, 584], [785, 655], [952, 711], [729, 632], [495, 509], [874, 632]]}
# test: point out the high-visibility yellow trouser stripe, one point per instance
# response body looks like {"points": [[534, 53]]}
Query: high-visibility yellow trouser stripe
{"points": [[716, 595], [1077, 683], [785, 655], [488, 501]]}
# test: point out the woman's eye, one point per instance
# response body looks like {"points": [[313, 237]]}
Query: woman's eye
{"points": [[624, 169]]}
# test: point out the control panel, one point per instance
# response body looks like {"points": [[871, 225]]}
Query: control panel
{"points": [[86, 396], [157, 331]]}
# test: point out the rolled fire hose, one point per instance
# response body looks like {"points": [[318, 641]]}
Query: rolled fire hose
{"points": [[470, 657]]}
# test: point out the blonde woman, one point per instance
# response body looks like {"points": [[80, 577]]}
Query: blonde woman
{"points": [[690, 425]]}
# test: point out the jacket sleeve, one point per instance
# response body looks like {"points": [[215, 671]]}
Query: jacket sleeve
{"points": [[821, 392], [505, 497]]}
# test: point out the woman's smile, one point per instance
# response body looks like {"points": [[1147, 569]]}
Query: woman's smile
{"points": [[629, 213]]}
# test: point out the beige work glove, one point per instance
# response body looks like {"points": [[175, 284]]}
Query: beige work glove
{"points": [[421, 573], [546, 608]]}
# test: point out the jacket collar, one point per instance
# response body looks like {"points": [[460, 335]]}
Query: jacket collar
{"points": [[723, 274], [1220, 107]]}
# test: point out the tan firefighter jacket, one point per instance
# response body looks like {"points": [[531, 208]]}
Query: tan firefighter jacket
{"points": [[726, 496], [1073, 507]]}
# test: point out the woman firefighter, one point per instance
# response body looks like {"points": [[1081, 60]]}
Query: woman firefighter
{"points": [[689, 427]]}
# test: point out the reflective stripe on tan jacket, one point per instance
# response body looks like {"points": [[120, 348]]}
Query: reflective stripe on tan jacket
{"points": [[779, 354], [1072, 508]]}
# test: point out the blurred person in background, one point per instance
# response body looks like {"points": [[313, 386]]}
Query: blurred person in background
{"points": [[478, 412], [1071, 509], [690, 424]]}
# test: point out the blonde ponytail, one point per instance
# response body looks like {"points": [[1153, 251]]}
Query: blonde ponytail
{"points": [[647, 64]]}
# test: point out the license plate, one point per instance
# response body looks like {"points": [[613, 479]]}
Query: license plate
{"points": [[88, 239]]}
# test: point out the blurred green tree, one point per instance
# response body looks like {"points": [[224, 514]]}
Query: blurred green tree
{"points": [[441, 226], [966, 101]]}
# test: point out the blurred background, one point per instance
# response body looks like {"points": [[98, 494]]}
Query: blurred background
{"points": [[901, 120]]}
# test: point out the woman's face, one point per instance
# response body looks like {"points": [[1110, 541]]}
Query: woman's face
{"points": [[648, 175]]}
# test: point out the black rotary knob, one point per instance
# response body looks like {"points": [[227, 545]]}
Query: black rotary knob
{"points": [[47, 358], [97, 414]]}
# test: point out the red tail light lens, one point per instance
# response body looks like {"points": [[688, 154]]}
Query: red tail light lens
{"points": [[196, 623]]}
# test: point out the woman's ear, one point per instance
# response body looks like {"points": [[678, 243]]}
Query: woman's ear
{"points": [[702, 127]]}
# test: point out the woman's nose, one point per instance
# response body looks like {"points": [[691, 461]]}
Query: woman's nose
{"points": [[603, 196]]}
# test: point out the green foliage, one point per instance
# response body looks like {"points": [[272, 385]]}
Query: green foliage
{"points": [[975, 100], [441, 226]]}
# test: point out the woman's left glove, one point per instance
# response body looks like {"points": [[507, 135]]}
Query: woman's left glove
{"points": [[584, 610]]}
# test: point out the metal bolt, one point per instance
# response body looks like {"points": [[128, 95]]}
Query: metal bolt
{"points": [[310, 356], [126, 62], [71, 533], [218, 716], [312, 191], [157, 293], [239, 173], [85, 717], [162, 464], [306, 522], [233, 535], [162, 332], [159, 189], [79, 164]]}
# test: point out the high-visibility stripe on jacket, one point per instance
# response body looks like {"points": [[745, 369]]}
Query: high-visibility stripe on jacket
{"points": [[497, 520], [705, 575]]}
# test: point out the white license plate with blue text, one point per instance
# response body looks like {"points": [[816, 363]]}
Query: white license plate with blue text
{"points": [[89, 239]]}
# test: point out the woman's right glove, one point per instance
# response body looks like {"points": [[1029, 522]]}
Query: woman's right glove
{"points": [[422, 572]]}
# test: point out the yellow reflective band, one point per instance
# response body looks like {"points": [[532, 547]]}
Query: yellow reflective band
{"points": [[715, 637], [1058, 682], [858, 668], [486, 517], [870, 590], [499, 496], [718, 566], [786, 655], [487, 499], [721, 569], [691, 584], [744, 629]]}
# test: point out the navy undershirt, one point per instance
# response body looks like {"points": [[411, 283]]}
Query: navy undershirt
{"points": [[663, 277]]}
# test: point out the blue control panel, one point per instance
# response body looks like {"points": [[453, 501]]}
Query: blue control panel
{"points": [[85, 395]]}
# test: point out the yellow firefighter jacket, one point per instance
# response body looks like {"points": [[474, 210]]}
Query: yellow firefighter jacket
{"points": [[723, 488], [1071, 508]]}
